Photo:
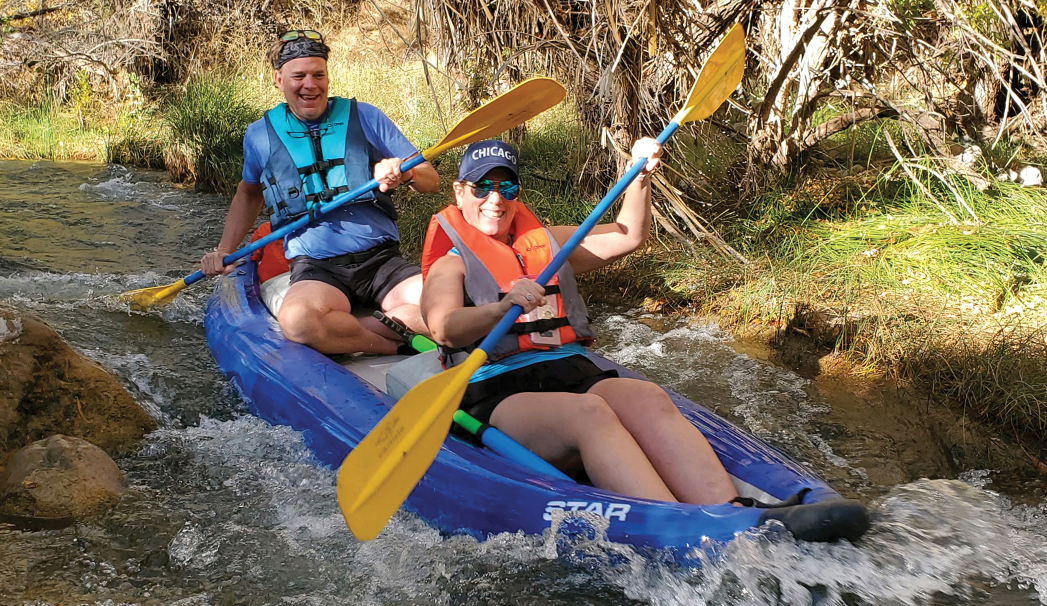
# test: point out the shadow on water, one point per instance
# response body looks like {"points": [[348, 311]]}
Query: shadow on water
{"points": [[224, 509]]}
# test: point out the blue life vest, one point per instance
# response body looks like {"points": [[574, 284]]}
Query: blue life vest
{"points": [[308, 167]]}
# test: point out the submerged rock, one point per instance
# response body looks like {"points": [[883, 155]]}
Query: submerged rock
{"points": [[60, 478]]}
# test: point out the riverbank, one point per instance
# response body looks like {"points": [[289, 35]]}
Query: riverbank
{"points": [[938, 283]]}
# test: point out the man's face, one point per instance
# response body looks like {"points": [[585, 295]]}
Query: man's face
{"points": [[303, 82]]}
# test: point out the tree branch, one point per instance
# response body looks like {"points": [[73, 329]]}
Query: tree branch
{"points": [[787, 66], [42, 11], [827, 129]]}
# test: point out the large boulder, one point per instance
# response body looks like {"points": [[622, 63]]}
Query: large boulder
{"points": [[46, 388]]}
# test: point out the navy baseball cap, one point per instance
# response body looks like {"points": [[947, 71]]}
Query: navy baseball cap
{"points": [[481, 157]]}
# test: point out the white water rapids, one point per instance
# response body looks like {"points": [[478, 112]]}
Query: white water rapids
{"points": [[225, 509]]}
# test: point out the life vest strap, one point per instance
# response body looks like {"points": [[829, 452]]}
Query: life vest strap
{"points": [[546, 325], [550, 289], [325, 195], [320, 165]]}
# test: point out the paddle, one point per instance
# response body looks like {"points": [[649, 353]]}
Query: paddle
{"points": [[376, 477], [489, 435], [521, 103]]}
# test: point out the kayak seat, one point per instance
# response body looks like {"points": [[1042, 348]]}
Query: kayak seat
{"points": [[410, 372], [273, 291]]}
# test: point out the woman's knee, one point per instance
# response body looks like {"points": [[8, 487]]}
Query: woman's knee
{"points": [[658, 403], [593, 412], [636, 398]]}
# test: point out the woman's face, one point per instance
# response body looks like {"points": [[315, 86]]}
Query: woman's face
{"points": [[493, 214]]}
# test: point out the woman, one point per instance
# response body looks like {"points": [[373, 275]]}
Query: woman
{"points": [[538, 386]]}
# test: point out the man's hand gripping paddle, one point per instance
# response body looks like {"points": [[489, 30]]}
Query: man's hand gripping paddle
{"points": [[376, 477], [521, 103]]}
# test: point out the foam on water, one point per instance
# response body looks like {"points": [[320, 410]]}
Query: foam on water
{"points": [[271, 516], [120, 183], [675, 358], [933, 539], [50, 290], [153, 383]]}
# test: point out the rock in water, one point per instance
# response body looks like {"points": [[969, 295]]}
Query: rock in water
{"points": [[46, 388], [60, 477]]}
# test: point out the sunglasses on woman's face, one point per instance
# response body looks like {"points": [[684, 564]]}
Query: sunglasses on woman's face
{"points": [[508, 189], [302, 33]]}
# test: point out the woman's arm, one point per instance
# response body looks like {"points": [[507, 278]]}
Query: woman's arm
{"points": [[443, 304], [609, 242]]}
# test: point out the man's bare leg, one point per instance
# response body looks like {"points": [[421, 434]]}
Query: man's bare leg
{"points": [[319, 315]]}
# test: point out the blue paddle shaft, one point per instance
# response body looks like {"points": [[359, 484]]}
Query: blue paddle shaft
{"points": [[502, 327], [516, 452], [302, 221]]}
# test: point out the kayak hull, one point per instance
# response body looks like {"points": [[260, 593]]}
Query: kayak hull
{"points": [[468, 489]]}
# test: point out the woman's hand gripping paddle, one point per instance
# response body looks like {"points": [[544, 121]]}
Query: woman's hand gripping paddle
{"points": [[513, 108], [381, 471]]}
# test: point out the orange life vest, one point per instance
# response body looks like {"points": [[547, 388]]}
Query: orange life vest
{"points": [[270, 258], [491, 268]]}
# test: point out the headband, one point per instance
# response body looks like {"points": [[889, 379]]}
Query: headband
{"points": [[302, 47]]}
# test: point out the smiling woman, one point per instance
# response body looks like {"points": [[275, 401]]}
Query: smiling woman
{"points": [[487, 188], [538, 385]]}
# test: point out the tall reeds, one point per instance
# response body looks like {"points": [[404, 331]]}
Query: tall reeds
{"points": [[206, 121]]}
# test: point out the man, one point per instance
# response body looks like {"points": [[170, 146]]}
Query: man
{"points": [[311, 150]]}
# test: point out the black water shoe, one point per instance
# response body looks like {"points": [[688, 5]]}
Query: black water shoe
{"points": [[821, 522]]}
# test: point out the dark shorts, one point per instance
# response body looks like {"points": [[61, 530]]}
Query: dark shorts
{"points": [[364, 278], [573, 374]]}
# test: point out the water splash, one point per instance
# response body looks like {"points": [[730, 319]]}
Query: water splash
{"points": [[932, 541]]}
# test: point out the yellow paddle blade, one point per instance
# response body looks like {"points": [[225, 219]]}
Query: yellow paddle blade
{"points": [[376, 477], [720, 75], [144, 298], [512, 108]]}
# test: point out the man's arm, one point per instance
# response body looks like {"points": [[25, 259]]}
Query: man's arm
{"points": [[243, 212], [426, 179], [390, 141], [387, 173]]}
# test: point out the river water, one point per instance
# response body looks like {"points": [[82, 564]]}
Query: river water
{"points": [[224, 509]]}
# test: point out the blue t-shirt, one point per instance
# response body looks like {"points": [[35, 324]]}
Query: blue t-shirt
{"points": [[350, 228]]}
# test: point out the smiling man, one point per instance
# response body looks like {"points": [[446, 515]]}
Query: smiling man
{"points": [[309, 151]]}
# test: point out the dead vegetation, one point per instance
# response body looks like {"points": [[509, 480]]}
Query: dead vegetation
{"points": [[941, 69]]}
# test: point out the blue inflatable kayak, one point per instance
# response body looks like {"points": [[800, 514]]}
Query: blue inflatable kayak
{"points": [[475, 491]]}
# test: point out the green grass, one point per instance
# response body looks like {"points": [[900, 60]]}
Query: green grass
{"points": [[48, 131], [879, 271]]}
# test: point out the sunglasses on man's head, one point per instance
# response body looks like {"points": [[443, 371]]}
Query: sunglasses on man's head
{"points": [[508, 189], [295, 34]]}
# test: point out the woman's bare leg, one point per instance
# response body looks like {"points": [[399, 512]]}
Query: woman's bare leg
{"points": [[561, 427], [676, 448]]}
